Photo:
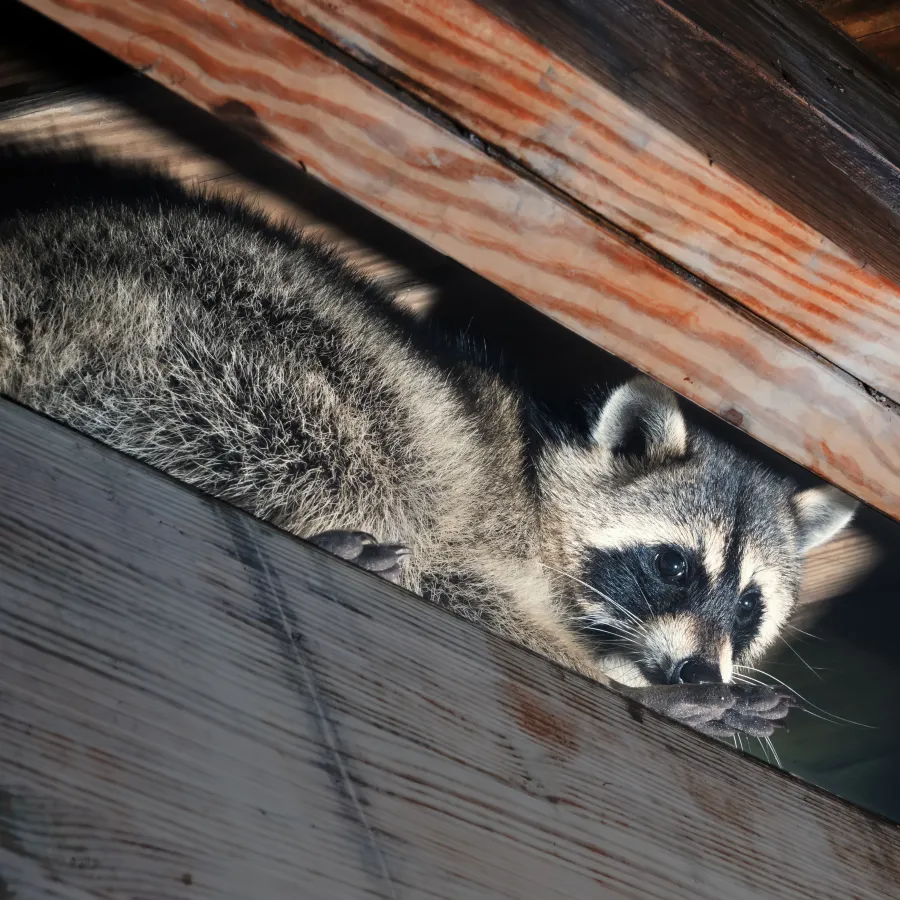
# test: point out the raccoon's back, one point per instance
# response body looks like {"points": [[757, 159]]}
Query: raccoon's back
{"points": [[233, 354]]}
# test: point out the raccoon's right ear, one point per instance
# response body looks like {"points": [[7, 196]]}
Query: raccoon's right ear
{"points": [[821, 513], [642, 420]]}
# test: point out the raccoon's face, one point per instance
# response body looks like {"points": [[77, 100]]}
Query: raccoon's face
{"points": [[677, 558]]}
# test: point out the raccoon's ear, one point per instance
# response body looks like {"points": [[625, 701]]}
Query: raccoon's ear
{"points": [[822, 512], [642, 419]]}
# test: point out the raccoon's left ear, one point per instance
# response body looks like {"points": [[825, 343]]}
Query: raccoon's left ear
{"points": [[642, 420], [822, 512]]}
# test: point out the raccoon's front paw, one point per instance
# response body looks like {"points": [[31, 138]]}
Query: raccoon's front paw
{"points": [[758, 709], [719, 710], [364, 551]]}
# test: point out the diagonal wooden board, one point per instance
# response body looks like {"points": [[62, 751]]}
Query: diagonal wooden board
{"points": [[579, 136], [398, 162], [193, 705], [768, 87]]}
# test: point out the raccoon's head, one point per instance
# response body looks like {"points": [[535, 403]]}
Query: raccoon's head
{"points": [[676, 558]]}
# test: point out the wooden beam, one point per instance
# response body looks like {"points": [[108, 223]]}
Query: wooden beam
{"points": [[572, 132], [195, 705], [767, 87], [123, 125], [885, 45], [860, 18], [446, 190]]}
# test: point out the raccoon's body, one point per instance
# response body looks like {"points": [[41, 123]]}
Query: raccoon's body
{"points": [[249, 361]]}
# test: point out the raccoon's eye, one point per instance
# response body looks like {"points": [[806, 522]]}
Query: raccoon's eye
{"points": [[672, 566], [748, 604]]}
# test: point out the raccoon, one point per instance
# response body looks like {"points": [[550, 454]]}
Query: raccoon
{"points": [[247, 359]]}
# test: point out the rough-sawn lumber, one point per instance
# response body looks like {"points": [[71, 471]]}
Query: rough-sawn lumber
{"points": [[566, 128], [193, 705]]}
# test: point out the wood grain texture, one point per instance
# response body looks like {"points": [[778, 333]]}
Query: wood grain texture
{"points": [[468, 205], [122, 126], [860, 18], [874, 24], [768, 88], [197, 706], [621, 163], [885, 45]]}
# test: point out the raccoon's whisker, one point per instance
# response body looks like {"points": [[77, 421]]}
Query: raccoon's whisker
{"points": [[638, 623], [614, 636], [764, 750], [774, 752], [596, 622], [633, 577], [600, 621], [797, 654], [826, 717], [617, 637], [793, 665], [808, 634]]}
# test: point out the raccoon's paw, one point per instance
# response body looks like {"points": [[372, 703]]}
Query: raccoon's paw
{"points": [[719, 710], [364, 551], [758, 710]]}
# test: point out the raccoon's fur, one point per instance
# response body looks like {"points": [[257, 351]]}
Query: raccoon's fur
{"points": [[247, 360]]}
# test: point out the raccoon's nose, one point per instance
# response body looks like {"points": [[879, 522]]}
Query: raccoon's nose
{"points": [[696, 671]]}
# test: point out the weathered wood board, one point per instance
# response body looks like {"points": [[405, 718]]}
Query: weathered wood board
{"points": [[442, 188], [123, 125], [874, 24], [193, 705], [579, 136], [767, 87]]}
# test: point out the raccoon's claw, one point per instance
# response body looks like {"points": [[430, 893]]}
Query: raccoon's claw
{"points": [[758, 710], [719, 710], [363, 550]]}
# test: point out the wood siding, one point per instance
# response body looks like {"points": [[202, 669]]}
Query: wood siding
{"points": [[194, 705]]}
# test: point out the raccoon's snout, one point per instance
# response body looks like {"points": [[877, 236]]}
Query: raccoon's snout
{"points": [[695, 670]]}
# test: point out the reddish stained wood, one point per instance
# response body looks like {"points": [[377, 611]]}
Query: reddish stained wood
{"points": [[885, 45], [860, 18], [618, 161], [468, 205]]}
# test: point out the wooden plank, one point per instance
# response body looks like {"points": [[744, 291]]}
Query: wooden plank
{"points": [[874, 24], [465, 203], [197, 706], [606, 154], [860, 18], [885, 45], [767, 87], [33, 61]]}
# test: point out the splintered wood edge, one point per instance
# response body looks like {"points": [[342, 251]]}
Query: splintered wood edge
{"points": [[198, 706], [438, 187]]}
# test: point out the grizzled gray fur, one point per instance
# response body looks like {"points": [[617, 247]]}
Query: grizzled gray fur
{"points": [[243, 358]]}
